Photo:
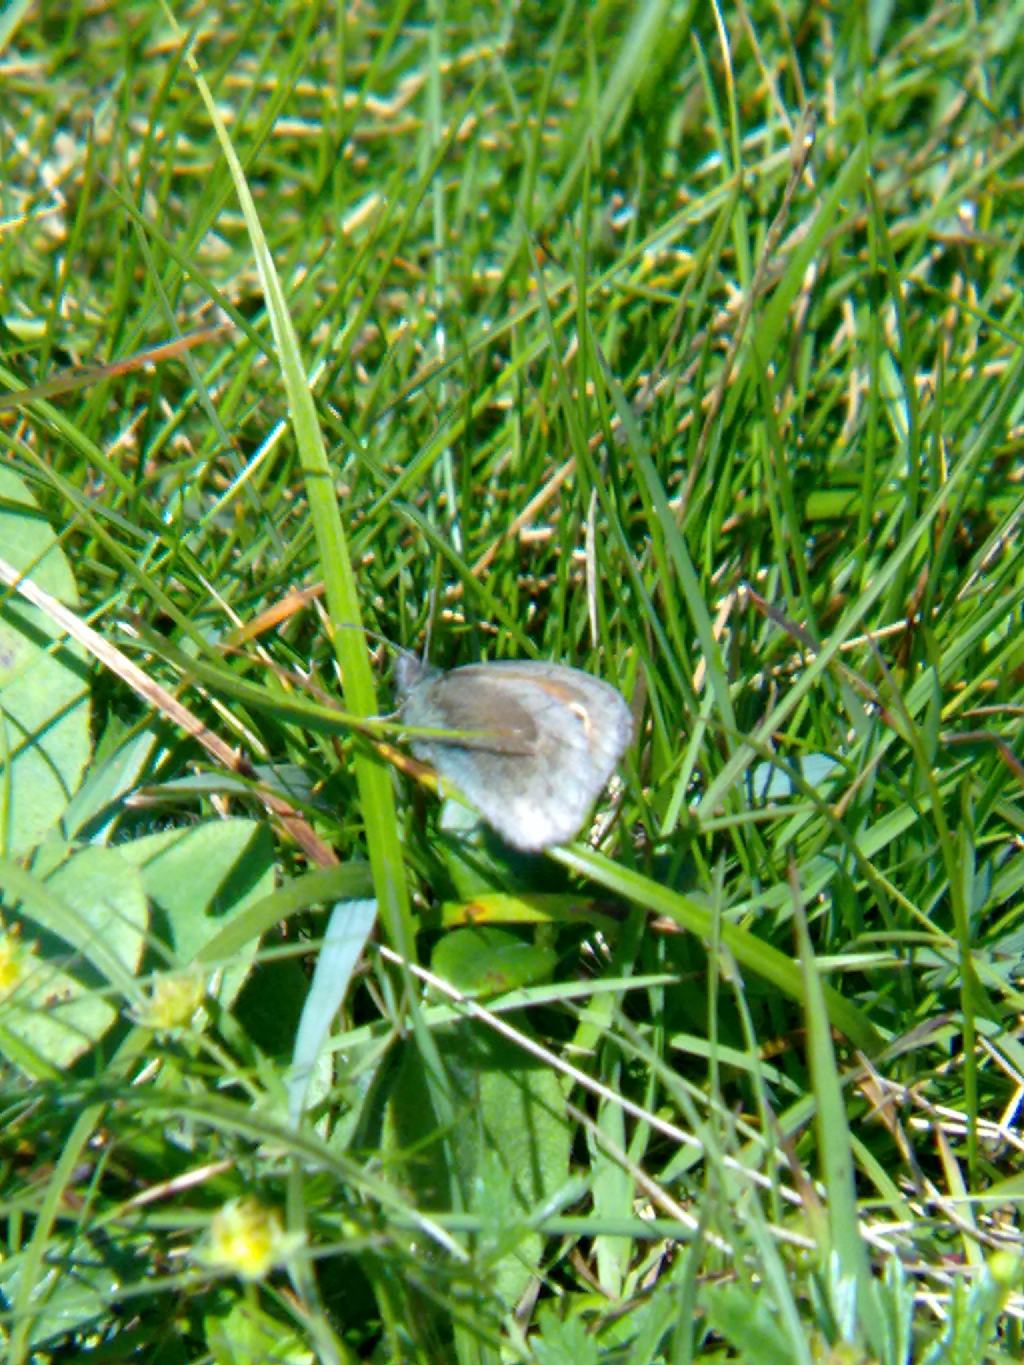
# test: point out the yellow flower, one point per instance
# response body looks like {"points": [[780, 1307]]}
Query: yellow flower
{"points": [[247, 1240], [11, 954], [173, 1000]]}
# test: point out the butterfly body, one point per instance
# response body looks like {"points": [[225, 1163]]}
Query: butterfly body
{"points": [[539, 740]]}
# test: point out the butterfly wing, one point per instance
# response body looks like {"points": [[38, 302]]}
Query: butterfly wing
{"points": [[544, 739]]}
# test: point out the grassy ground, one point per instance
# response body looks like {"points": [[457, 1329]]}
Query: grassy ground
{"points": [[679, 345]]}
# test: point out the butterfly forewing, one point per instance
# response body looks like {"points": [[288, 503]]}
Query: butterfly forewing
{"points": [[488, 713]]}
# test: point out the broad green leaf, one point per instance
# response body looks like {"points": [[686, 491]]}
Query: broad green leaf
{"points": [[488, 961], [44, 695], [71, 951], [249, 1336], [510, 1142], [199, 879]]}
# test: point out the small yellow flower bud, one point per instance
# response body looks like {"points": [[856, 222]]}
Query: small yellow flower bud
{"points": [[247, 1240]]}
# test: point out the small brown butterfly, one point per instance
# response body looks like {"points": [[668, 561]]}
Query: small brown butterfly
{"points": [[540, 740]]}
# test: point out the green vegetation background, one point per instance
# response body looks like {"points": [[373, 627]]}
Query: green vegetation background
{"points": [[675, 342]]}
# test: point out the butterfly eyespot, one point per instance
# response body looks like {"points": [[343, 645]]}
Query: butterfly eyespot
{"points": [[582, 714]]}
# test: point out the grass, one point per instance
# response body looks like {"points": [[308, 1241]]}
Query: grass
{"points": [[679, 345]]}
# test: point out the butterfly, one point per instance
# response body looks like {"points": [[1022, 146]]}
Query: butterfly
{"points": [[540, 740]]}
